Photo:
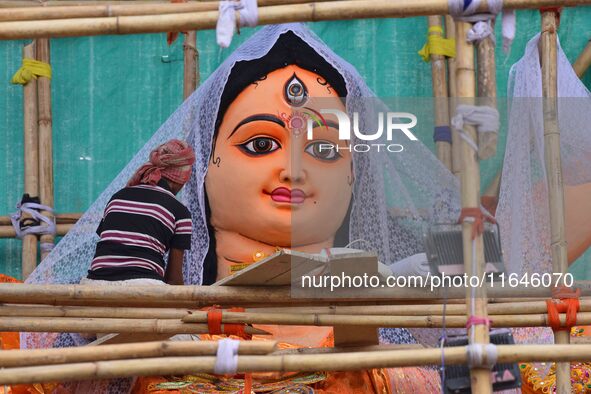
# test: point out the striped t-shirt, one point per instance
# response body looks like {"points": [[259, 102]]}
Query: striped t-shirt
{"points": [[140, 224]]}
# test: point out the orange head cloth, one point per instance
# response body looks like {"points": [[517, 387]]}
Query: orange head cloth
{"points": [[171, 160]]}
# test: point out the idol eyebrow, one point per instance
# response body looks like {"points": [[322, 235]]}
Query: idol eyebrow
{"points": [[258, 117]]}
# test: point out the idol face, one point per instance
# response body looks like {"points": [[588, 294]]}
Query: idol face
{"points": [[266, 180]]}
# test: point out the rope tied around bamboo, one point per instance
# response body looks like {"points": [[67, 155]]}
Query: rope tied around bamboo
{"points": [[215, 327], [31, 69], [29, 219], [564, 300], [467, 10]]}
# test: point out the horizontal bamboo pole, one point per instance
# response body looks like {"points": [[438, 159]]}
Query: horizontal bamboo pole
{"points": [[513, 308], [8, 231], [287, 363], [100, 325], [62, 218], [168, 296], [312, 319], [308, 12], [81, 3], [66, 11], [29, 357]]}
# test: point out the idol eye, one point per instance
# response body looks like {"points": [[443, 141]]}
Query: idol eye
{"points": [[259, 146], [323, 150]]}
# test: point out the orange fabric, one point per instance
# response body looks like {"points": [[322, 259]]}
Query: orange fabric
{"points": [[570, 306], [479, 218], [215, 327], [247, 383]]}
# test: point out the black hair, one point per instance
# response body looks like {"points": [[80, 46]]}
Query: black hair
{"points": [[288, 50]]}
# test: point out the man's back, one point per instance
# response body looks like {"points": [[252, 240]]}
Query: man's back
{"points": [[140, 224]]}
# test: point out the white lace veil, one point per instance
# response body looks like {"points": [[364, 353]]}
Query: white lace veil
{"points": [[395, 195], [523, 210]]}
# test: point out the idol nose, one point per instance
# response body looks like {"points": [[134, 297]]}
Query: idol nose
{"points": [[292, 171]]}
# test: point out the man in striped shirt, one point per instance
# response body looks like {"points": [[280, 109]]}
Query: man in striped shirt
{"points": [[144, 221]]}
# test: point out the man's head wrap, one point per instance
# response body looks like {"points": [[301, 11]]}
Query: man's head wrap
{"points": [[171, 160]]}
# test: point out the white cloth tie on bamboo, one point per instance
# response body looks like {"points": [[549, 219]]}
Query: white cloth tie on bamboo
{"points": [[226, 26], [226, 361], [485, 118], [481, 356], [466, 10], [45, 226], [479, 31]]}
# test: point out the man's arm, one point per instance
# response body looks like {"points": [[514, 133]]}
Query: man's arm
{"points": [[174, 268]]}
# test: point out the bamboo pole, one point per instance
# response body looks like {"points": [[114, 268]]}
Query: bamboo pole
{"points": [[456, 158], [31, 145], [8, 232], [18, 358], [583, 61], [286, 363], [513, 308], [191, 64], [308, 12], [554, 172], [470, 187], [439, 79], [487, 91], [46, 241], [62, 218], [196, 296], [432, 321], [52, 9], [100, 325]]}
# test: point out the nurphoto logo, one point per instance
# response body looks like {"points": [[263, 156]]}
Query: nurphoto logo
{"points": [[390, 121]]}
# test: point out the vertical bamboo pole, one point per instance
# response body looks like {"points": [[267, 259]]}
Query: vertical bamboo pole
{"points": [[487, 91], [470, 187], [45, 143], [554, 172], [443, 148], [191, 64], [583, 61], [31, 145], [456, 159]]}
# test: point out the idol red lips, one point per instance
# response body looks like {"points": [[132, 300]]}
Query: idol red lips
{"points": [[283, 194]]}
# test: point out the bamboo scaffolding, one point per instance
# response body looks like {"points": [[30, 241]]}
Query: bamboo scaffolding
{"points": [[554, 171], [45, 144], [63, 218], [51, 9], [456, 158], [438, 74], [432, 321], [106, 326], [583, 61], [8, 232], [196, 296], [178, 313], [487, 91], [196, 323], [308, 12], [191, 64], [286, 363], [31, 145], [18, 358], [470, 195], [513, 308]]}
